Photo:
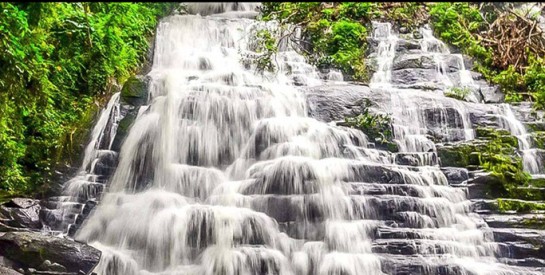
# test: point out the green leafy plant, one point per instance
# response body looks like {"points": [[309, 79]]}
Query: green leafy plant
{"points": [[458, 92], [378, 127]]}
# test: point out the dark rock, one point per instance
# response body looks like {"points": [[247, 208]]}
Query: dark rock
{"points": [[49, 266], [413, 76], [31, 249], [455, 175], [135, 91], [407, 45], [407, 61], [123, 129]]}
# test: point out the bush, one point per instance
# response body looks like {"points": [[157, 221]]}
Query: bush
{"points": [[56, 61]]}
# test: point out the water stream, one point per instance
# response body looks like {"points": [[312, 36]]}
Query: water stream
{"points": [[224, 172]]}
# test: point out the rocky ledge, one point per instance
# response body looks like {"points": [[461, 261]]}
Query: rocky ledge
{"points": [[26, 250]]}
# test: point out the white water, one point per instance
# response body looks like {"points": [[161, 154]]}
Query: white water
{"points": [[407, 110], [530, 160], [86, 184], [225, 174]]}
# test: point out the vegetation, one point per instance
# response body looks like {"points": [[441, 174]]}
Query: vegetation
{"points": [[494, 151], [505, 45], [377, 127], [458, 92], [58, 61], [520, 206], [335, 34], [498, 155]]}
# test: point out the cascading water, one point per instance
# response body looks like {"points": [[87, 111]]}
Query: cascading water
{"points": [[410, 118], [89, 181], [441, 53], [530, 160], [224, 173]]}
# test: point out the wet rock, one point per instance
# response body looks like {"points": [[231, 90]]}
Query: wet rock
{"points": [[408, 61], [514, 221], [22, 213], [333, 103], [123, 129], [407, 45], [455, 175], [413, 76], [135, 91], [106, 163], [490, 93], [31, 249], [49, 266]]}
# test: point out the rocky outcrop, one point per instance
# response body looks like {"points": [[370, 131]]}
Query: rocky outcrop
{"points": [[35, 251], [21, 213]]}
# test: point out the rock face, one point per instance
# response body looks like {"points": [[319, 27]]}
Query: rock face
{"points": [[48, 253], [21, 213]]}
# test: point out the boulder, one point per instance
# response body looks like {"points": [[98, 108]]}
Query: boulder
{"points": [[333, 103], [22, 213], [455, 175], [414, 76], [135, 91], [32, 249], [417, 61]]}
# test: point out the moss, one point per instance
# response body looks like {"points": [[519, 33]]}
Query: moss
{"points": [[519, 206], [538, 139], [135, 91], [457, 155]]}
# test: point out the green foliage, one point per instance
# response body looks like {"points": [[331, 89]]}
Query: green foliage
{"points": [[498, 155], [378, 127], [460, 24], [336, 31], [458, 92], [267, 46], [455, 23], [519, 206], [531, 82], [56, 60]]}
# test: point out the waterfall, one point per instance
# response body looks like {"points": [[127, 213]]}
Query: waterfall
{"points": [[224, 172], [410, 119], [530, 160], [89, 182]]}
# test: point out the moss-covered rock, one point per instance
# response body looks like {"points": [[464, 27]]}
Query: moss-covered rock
{"points": [[457, 155], [538, 139], [135, 91], [519, 206]]}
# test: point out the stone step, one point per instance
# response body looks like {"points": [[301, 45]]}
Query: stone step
{"points": [[418, 265], [416, 159], [514, 221], [430, 247]]}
